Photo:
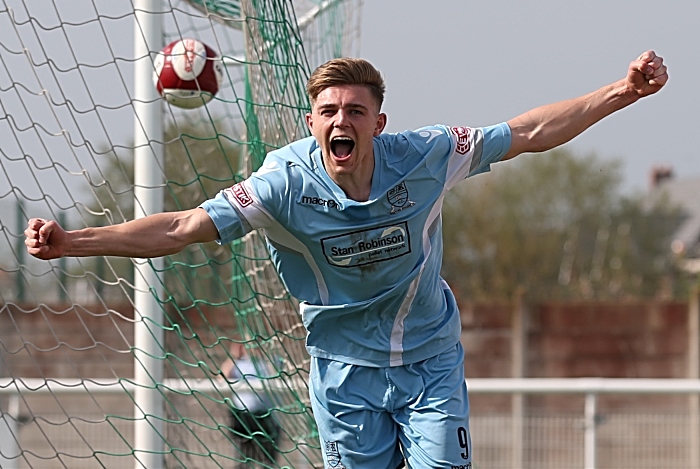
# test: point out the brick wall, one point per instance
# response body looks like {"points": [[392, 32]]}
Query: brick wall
{"points": [[625, 339], [631, 339], [622, 340], [628, 339]]}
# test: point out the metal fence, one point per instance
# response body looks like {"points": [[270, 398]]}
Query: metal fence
{"points": [[630, 437]]}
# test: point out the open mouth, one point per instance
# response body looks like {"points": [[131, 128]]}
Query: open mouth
{"points": [[342, 147]]}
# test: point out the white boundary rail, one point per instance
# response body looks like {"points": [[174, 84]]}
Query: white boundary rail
{"points": [[589, 387]]}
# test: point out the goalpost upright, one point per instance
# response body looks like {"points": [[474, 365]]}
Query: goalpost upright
{"points": [[148, 200]]}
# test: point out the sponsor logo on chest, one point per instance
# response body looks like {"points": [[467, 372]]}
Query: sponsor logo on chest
{"points": [[367, 246]]}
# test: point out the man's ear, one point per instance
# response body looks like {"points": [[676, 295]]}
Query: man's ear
{"points": [[381, 123], [309, 121]]}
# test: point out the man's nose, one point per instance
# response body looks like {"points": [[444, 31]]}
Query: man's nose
{"points": [[341, 118]]}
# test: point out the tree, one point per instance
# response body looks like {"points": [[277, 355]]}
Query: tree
{"points": [[556, 225]]}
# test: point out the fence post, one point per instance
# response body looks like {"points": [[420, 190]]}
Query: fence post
{"points": [[694, 373], [519, 328], [20, 249], [9, 434], [62, 264], [589, 451]]}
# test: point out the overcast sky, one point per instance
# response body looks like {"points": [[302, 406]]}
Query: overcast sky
{"points": [[480, 62]]}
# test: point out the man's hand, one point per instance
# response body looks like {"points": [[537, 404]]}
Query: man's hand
{"points": [[45, 239], [156, 235], [647, 74]]}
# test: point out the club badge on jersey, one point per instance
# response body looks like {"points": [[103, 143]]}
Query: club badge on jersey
{"points": [[333, 455], [398, 198]]}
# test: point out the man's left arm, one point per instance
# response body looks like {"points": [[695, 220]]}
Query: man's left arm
{"points": [[549, 126]]}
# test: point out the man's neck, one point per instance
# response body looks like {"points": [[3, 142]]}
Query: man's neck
{"points": [[358, 185]]}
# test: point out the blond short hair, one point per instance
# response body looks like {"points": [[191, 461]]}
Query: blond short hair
{"points": [[346, 71]]}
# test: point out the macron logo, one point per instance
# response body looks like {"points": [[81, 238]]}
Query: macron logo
{"points": [[239, 192], [330, 203]]}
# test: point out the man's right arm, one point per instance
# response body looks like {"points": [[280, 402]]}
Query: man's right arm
{"points": [[549, 126], [153, 236]]}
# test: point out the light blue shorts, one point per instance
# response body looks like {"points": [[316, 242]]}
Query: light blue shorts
{"points": [[371, 418]]}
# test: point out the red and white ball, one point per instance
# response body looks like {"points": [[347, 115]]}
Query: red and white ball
{"points": [[188, 73]]}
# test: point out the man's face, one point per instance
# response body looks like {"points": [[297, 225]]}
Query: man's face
{"points": [[344, 119]]}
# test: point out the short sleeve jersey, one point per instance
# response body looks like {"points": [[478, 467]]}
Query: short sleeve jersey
{"points": [[367, 274]]}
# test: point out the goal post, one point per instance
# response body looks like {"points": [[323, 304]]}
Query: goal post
{"points": [[148, 200], [129, 354]]}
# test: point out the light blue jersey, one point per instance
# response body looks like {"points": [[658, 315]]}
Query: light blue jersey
{"points": [[367, 273]]}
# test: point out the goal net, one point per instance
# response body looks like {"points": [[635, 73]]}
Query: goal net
{"points": [[192, 360]]}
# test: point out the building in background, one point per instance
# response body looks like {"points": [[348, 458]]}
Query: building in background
{"points": [[685, 194]]}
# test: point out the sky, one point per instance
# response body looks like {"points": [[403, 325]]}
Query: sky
{"points": [[456, 62], [480, 62]]}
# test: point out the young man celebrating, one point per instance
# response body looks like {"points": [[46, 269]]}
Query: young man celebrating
{"points": [[352, 217]]}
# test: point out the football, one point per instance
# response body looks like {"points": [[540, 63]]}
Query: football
{"points": [[188, 73]]}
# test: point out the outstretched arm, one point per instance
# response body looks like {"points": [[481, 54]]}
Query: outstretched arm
{"points": [[546, 127], [153, 236]]}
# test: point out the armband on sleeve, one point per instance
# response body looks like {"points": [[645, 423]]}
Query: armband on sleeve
{"points": [[475, 149], [236, 211]]}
